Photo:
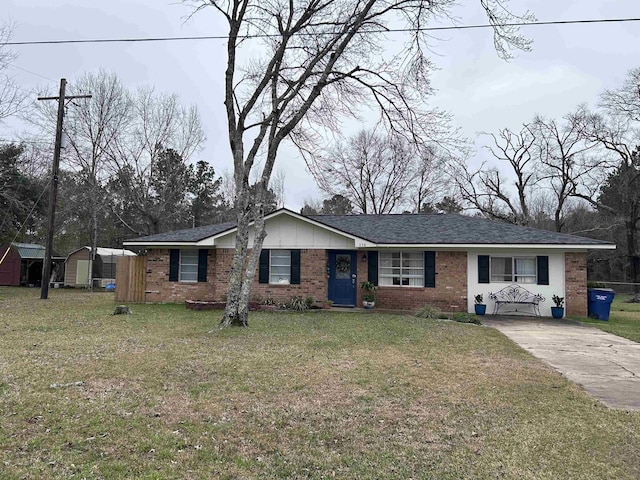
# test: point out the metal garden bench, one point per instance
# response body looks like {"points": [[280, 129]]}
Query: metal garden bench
{"points": [[518, 296]]}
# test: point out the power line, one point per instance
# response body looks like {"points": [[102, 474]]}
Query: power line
{"points": [[29, 142], [15, 87], [13, 65], [390, 30]]}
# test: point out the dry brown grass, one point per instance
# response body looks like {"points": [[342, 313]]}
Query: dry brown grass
{"points": [[317, 395]]}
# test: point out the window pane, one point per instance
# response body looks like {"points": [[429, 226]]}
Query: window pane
{"points": [[343, 267], [384, 260], [525, 266], [501, 269], [188, 277], [280, 270], [401, 269], [513, 269], [525, 270], [280, 266], [282, 279], [188, 266]]}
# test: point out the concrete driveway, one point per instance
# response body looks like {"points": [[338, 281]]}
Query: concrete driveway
{"points": [[605, 365]]}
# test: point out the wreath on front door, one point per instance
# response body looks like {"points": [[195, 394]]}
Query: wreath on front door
{"points": [[343, 265]]}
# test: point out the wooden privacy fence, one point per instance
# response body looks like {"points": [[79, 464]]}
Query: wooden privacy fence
{"points": [[130, 279]]}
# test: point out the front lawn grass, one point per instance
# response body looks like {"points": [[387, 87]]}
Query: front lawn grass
{"points": [[624, 319], [315, 395]]}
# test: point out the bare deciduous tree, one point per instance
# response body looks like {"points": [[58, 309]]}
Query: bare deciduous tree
{"points": [[278, 186], [549, 163], [565, 164], [12, 99], [624, 101], [320, 61], [373, 171], [489, 191], [159, 132]]}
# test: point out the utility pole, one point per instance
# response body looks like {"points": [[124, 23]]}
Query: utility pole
{"points": [[46, 267]]}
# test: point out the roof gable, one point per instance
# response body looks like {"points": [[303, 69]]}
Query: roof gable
{"points": [[107, 252], [32, 251]]}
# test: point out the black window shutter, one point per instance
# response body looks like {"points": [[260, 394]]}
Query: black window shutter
{"points": [[174, 264], [263, 273], [295, 267], [543, 270], [202, 265], [430, 269], [372, 259], [483, 268]]}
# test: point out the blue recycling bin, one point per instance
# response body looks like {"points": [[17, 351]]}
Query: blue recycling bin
{"points": [[599, 305]]}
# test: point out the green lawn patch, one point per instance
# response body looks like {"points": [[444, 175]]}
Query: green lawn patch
{"points": [[296, 395], [623, 321]]}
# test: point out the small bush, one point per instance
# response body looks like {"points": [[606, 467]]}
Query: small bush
{"points": [[466, 318], [297, 303], [429, 311], [596, 285], [309, 300]]}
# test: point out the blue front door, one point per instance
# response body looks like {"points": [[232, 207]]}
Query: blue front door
{"points": [[342, 278]]}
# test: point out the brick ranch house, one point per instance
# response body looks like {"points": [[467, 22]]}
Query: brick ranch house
{"points": [[442, 260]]}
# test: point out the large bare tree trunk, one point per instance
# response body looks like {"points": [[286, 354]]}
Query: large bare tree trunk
{"points": [[243, 269]]}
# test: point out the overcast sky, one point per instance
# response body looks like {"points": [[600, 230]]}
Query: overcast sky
{"points": [[569, 64]]}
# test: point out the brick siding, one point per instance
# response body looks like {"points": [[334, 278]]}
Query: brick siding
{"points": [[158, 288], [575, 274], [313, 278], [450, 289]]}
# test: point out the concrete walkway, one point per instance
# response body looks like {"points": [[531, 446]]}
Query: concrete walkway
{"points": [[605, 365]]}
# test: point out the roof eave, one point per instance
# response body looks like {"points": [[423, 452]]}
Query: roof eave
{"points": [[494, 246], [160, 244]]}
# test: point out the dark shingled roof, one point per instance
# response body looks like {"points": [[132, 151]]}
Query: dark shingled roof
{"points": [[444, 229], [407, 229], [188, 235]]}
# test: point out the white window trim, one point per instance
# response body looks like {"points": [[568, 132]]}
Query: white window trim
{"points": [[513, 269], [281, 282], [180, 264], [402, 274]]}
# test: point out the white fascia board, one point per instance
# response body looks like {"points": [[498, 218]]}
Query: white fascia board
{"points": [[160, 244], [496, 246], [207, 242]]}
